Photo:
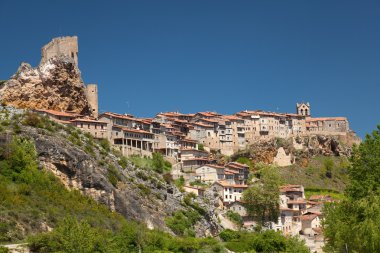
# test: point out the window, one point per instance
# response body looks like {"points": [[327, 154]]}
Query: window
{"points": [[72, 55], [81, 125]]}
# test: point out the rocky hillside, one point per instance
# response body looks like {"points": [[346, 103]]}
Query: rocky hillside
{"points": [[299, 150], [91, 167], [55, 85]]}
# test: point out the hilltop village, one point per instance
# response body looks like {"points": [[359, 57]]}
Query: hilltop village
{"points": [[190, 142]]}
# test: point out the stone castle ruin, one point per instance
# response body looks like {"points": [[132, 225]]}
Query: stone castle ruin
{"points": [[68, 46]]}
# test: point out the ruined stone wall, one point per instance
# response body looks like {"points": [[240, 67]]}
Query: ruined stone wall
{"points": [[67, 46]]}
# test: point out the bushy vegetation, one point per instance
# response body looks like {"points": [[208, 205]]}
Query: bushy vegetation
{"points": [[320, 191], [182, 222], [246, 161], [261, 198], [329, 173], [235, 217], [352, 225], [72, 236], [34, 198], [264, 241], [3, 250], [157, 162]]}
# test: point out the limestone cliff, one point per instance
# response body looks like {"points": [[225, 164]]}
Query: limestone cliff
{"points": [[284, 152], [55, 84], [137, 193]]}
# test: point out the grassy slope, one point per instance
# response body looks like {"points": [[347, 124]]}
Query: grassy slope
{"points": [[314, 177]]}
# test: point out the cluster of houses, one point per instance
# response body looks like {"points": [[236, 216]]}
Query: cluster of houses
{"points": [[188, 138], [298, 216]]}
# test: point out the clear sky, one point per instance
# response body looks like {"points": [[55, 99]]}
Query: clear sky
{"points": [[224, 56]]}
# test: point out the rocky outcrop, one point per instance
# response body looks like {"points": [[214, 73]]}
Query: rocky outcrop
{"points": [[284, 152], [140, 194], [55, 85]]}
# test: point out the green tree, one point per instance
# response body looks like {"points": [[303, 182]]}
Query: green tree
{"points": [[353, 224], [328, 166], [246, 161], [71, 236], [262, 198]]}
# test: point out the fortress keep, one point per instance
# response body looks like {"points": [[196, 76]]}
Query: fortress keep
{"points": [[67, 46]]}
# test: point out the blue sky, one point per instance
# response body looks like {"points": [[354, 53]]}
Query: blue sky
{"points": [[224, 56]]}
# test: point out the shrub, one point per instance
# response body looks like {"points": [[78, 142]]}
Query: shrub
{"points": [[328, 166], [33, 120], [182, 222], [143, 189], [229, 235], [180, 182], [113, 175], [123, 162], [105, 144], [3, 249], [71, 236], [235, 217]]}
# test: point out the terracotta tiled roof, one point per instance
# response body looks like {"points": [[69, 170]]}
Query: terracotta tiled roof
{"points": [[236, 164], [214, 166], [126, 129], [231, 171], [291, 188], [298, 201], [309, 217], [326, 119], [202, 125], [226, 184], [231, 117], [189, 140], [120, 116], [88, 120]]}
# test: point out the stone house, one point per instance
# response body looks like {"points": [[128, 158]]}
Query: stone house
{"points": [[311, 224], [133, 141], [326, 125], [241, 172], [239, 208], [198, 191], [61, 117], [97, 128], [210, 173], [228, 192], [167, 144]]}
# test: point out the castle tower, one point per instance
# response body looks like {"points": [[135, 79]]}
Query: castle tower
{"points": [[303, 109], [92, 97], [67, 46]]}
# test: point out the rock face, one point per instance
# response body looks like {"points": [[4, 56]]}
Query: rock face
{"points": [[140, 194], [54, 85], [284, 152]]}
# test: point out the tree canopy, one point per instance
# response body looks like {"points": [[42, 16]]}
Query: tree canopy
{"points": [[353, 225], [262, 197]]}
